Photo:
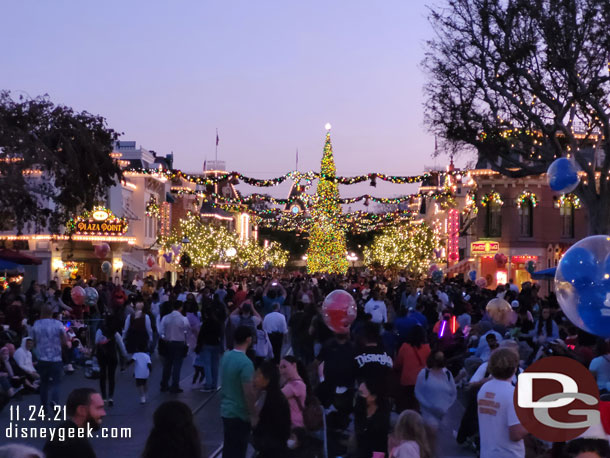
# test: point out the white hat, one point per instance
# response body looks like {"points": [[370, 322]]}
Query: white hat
{"points": [[514, 304]]}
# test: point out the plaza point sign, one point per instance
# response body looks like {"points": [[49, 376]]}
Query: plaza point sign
{"points": [[484, 247], [99, 221]]}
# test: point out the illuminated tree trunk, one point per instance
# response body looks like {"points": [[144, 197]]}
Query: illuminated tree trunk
{"points": [[327, 248]]}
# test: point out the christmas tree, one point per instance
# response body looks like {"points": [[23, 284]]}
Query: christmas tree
{"points": [[327, 250]]}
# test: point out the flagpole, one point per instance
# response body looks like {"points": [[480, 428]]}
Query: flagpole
{"points": [[297, 161], [217, 145]]}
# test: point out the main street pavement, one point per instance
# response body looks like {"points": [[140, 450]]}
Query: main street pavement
{"points": [[128, 412]]}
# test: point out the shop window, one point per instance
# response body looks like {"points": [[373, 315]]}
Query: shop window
{"points": [[526, 220], [494, 220], [567, 220]]}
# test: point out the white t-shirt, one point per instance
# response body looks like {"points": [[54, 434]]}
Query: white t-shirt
{"points": [[275, 322], [601, 367], [408, 449], [378, 311], [496, 415], [140, 367]]}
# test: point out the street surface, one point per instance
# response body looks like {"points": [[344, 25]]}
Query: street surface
{"points": [[128, 412]]}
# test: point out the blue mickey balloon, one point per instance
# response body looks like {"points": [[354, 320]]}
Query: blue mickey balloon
{"points": [[578, 266], [582, 282], [562, 175], [472, 275]]}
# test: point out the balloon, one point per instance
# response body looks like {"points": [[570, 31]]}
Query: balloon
{"points": [[119, 297], [578, 266], [500, 259], [150, 261], [176, 249], [433, 268], [563, 176], [437, 276], [500, 311], [530, 266], [582, 283], [102, 250], [168, 256], [339, 311], [472, 275], [106, 267], [481, 282], [78, 295], [91, 296]]}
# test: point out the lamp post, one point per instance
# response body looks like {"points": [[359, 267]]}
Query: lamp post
{"points": [[352, 257], [185, 242]]}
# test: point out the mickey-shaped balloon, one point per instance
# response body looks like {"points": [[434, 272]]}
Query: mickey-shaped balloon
{"points": [[582, 282]]}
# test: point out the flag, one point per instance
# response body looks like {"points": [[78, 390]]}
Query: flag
{"points": [[217, 137], [204, 165]]}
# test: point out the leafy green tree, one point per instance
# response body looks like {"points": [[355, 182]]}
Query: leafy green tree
{"points": [[53, 162]]}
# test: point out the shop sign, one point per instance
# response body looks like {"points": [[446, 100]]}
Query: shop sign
{"points": [[483, 247], [99, 221]]}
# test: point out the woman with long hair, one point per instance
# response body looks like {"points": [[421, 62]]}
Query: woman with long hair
{"points": [[272, 431], [371, 419], [409, 439], [106, 352], [173, 433], [545, 328], [411, 359]]}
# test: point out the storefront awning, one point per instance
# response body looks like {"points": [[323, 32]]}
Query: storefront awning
{"points": [[135, 265], [461, 267], [544, 274]]}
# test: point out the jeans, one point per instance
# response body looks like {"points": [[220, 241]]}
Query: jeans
{"points": [[236, 434], [50, 378], [211, 356], [172, 364]]}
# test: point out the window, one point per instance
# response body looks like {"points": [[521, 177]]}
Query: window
{"points": [[494, 220], [567, 220], [526, 219]]}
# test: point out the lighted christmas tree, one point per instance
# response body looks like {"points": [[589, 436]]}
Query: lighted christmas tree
{"points": [[327, 250]]}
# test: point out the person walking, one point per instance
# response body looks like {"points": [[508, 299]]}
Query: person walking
{"points": [[209, 347], [276, 328], [141, 371], [271, 434], [499, 427], [49, 337], [85, 409], [138, 329], [174, 329], [237, 405], [106, 352], [411, 359]]}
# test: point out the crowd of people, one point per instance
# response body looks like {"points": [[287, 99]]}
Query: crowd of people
{"points": [[289, 385]]}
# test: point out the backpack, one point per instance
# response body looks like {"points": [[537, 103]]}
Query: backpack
{"points": [[447, 373], [313, 415]]}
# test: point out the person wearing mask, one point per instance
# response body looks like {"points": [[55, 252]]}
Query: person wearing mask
{"points": [[106, 351], [376, 308], [271, 433], [294, 389], [435, 391], [411, 359], [246, 315], [237, 395], [499, 428], [85, 409], [174, 433], [371, 419], [49, 336], [174, 328], [274, 324], [209, 346], [410, 439], [545, 329]]}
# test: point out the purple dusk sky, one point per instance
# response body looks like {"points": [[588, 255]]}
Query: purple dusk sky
{"points": [[267, 74]]}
